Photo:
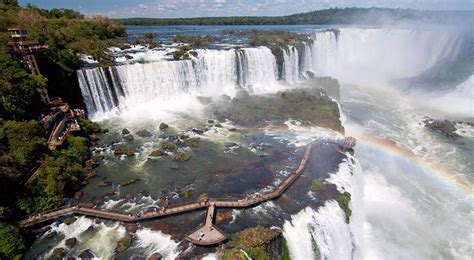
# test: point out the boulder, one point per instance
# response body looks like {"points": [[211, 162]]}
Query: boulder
{"points": [[181, 157], [129, 182], [121, 150], [169, 146], [70, 220], [155, 256], [58, 253], [124, 243], [192, 142], [128, 138], [51, 235], [105, 183], [125, 131], [157, 153], [445, 127], [144, 133], [70, 242], [86, 254], [163, 126], [131, 228]]}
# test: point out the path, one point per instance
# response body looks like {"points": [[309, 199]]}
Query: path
{"points": [[210, 236]]}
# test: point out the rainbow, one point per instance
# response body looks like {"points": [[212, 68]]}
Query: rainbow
{"points": [[458, 182]]}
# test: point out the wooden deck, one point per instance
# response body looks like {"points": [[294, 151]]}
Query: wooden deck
{"points": [[213, 235]]}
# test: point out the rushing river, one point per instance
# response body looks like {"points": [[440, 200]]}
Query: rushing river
{"points": [[411, 187]]}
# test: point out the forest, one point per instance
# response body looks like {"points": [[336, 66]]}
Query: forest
{"points": [[23, 147], [351, 15]]}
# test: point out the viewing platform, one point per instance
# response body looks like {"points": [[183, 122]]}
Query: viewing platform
{"points": [[204, 234]]}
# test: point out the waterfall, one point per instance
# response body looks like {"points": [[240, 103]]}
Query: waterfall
{"points": [[377, 56], [291, 70], [212, 72]]}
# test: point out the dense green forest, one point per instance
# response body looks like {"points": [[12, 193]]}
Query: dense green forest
{"points": [[328, 16], [23, 148]]}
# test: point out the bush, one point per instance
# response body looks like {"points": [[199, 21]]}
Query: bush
{"points": [[343, 201], [12, 245], [317, 186]]}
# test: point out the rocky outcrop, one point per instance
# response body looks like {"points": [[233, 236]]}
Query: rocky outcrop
{"points": [[124, 243], [144, 133], [163, 126], [58, 253], [155, 256], [86, 254], [70, 242], [445, 127], [122, 150], [69, 221]]}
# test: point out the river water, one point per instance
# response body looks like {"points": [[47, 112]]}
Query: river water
{"points": [[411, 187]]}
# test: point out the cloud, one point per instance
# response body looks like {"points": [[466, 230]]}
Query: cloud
{"points": [[142, 6]]}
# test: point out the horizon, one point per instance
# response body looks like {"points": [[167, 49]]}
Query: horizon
{"points": [[175, 9]]}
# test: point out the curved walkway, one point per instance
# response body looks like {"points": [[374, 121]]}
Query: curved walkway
{"points": [[87, 210]]}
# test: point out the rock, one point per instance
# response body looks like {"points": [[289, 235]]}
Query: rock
{"points": [[128, 57], [192, 142], [131, 228], [211, 121], [181, 157], [70, 242], [70, 220], [124, 243], [125, 131], [218, 125], [233, 129], [224, 216], [128, 138], [78, 195], [174, 166], [129, 182], [144, 133], [86, 254], [105, 183], [156, 153], [168, 146], [163, 126], [187, 194], [155, 256], [121, 150], [231, 145], [445, 127], [197, 131], [58, 253]]}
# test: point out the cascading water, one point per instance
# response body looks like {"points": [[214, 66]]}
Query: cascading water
{"points": [[212, 72], [291, 68], [377, 56]]}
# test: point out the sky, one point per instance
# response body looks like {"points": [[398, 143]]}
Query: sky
{"points": [[199, 8]]}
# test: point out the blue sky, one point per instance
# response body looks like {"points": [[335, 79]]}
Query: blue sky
{"points": [[193, 8]]}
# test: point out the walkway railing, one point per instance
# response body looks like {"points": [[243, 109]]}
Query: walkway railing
{"points": [[83, 209]]}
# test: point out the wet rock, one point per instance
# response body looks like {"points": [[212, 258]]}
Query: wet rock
{"points": [[445, 127], [87, 254], [128, 138], [58, 253], [232, 129], [78, 195], [197, 131], [144, 133], [222, 217], [163, 126], [131, 228], [129, 182], [69, 221], [193, 142], [174, 166], [211, 121], [121, 150], [124, 243], [105, 183], [181, 157], [168, 146], [231, 145], [70, 242], [128, 57], [218, 125], [156, 153], [155, 256], [125, 131]]}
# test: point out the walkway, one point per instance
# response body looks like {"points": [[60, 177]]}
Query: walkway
{"points": [[213, 236]]}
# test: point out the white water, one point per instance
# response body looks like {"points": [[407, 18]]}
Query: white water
{"points": [[378, 56], [291, 68], [166, 84]]}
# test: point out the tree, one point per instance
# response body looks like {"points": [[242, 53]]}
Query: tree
{"points": [[12, 245], [9, 2]]}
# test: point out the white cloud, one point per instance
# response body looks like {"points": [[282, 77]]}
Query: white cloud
{"points": [[142, 6]]}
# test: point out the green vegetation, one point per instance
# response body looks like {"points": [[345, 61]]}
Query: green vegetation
{"points": [[317, 186], [195, 41], [124, 243], [156, 153], [254, 241], [343, 201], [121, 150], [12, 245], [181, 53], [58, 253], [327, 16], [309, 107]]}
